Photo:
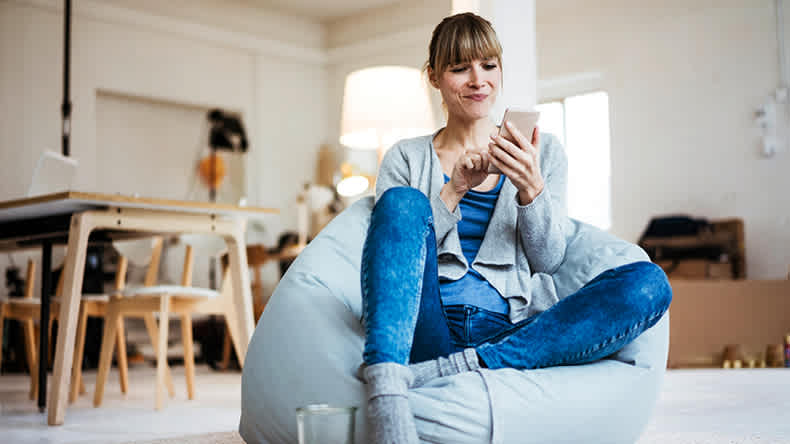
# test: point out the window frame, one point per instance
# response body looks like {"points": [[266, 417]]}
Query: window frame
{"points": [[562, 99]]}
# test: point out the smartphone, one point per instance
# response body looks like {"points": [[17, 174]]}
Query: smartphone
{"points": [[524, 119]]}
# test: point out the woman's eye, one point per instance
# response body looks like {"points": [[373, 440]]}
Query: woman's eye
{"points": [[489, 66], [458, 69]]}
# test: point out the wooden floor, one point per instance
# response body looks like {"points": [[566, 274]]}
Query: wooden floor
{"points": [[124, 418]]}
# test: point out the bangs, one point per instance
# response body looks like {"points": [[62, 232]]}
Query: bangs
{"points": [[469, 40]]}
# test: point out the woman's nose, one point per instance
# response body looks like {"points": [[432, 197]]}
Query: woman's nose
{"points": [[475, 78]]}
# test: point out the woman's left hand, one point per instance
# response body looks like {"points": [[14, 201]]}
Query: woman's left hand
{"points": [[520, 162]]}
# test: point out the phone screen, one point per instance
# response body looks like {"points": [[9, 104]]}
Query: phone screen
{"points": [[524, 120]]}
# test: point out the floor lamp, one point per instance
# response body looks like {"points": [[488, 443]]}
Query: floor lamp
{"points": [[382, 105], [46, 246]]}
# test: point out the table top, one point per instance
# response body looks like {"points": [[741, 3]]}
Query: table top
{"points": [[67, 202]]}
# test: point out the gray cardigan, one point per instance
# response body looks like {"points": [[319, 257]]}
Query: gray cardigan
{"points": [[523, 245]]}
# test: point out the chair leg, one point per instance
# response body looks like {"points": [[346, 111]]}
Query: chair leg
{"points": [[123, 363], [2, 327], [107, 345], [51, 341], [225, 364], [189, 354], [79, 352], [161, 349], [30, 355], [153, 334]]}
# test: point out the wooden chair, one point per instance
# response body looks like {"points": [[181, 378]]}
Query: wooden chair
{"points": [[95, 305], [183, 300], [25, 309]]}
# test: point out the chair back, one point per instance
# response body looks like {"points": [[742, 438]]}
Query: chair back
{"points": [[54, 172], [29, 280], [202, 245], [205, 245], [137, 251], [140, 252]]}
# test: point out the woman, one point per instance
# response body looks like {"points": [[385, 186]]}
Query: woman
{"points": [[457, 264]]}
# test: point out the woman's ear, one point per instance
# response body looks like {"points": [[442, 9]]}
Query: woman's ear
{"points": [[432, 78]]}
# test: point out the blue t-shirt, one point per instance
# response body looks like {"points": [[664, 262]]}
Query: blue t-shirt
{"points": [[473, 289]]}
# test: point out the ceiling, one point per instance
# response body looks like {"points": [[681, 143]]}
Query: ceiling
{"points": [[320, 10]]}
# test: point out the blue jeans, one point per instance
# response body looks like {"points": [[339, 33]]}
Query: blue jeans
{"points": [[405, 321], [471, 326]]}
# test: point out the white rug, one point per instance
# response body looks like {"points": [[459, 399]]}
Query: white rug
{"points": [[748, 406], [696, 407], [211, 438]]}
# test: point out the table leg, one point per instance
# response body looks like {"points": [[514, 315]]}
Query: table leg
{"points": [[43, 346], [81, 226], [241, 325]]}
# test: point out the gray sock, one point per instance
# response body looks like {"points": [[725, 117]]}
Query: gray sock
{"points": [[390, 420], [465, 361]]}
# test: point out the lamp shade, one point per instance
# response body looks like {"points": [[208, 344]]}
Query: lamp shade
{"points": [[382, 105], [352, 182]]}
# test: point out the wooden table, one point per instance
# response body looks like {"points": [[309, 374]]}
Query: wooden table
{"points": [[75, 217]]}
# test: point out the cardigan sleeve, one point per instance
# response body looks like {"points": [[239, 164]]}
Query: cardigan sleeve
{"points": [[541, 223]]}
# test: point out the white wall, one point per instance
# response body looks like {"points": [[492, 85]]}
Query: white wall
{"points": [[393, 35], [684, 79], [278, 85], [237, 16], [293, 124], [514, 22], [404, 17], [161, 59]]}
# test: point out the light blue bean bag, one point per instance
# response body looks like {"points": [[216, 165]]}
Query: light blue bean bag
{"points": [[308, 345]]}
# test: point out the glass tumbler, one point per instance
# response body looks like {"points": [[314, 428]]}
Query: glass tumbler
{"points": [[325, 424]]}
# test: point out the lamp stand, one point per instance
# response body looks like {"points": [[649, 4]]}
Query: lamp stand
{"points": [[212, 197], [65, 108]]}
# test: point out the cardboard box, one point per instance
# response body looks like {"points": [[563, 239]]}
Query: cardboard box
{"points": [[708, 315]]}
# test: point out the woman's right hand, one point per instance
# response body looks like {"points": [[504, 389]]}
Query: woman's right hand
{"points": [[469, 171]]}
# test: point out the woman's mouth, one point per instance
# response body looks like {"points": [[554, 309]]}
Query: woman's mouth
{"points": [[477, 97]]}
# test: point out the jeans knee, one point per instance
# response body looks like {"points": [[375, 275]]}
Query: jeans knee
{"points": [[404, 202], [647, 287]]}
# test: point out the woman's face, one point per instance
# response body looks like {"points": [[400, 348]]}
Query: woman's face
{"points": [[470, 89]]}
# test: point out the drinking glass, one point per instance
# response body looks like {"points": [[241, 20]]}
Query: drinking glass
{"points": [[325, 424]]}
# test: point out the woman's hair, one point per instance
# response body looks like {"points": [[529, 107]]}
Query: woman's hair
{"points": [[461, 38]]}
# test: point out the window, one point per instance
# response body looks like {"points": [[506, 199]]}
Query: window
{"points": [[581, 123]]}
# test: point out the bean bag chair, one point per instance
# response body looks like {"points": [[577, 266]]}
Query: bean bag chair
{"points": [[308, 345]]}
